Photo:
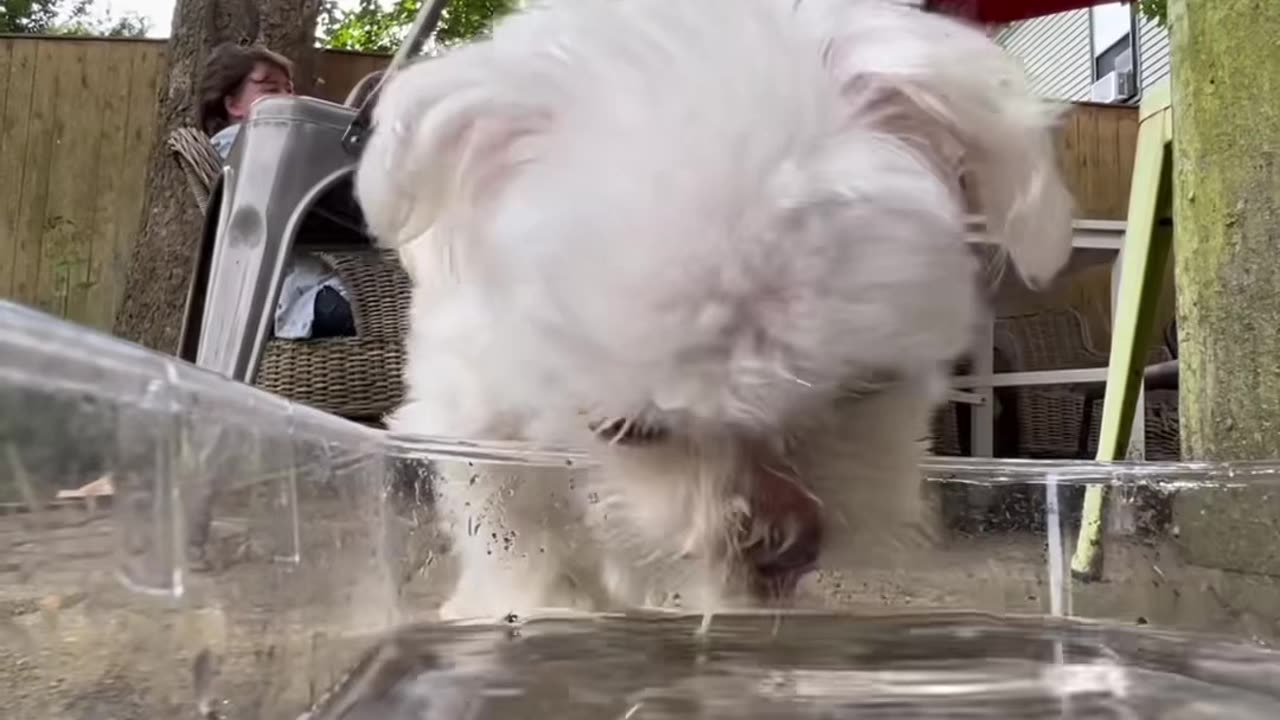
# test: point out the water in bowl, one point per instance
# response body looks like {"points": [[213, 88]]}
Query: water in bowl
{"points": [[803, 665], [254, 559]]}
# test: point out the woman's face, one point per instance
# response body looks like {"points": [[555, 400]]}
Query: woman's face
{"points": [[265, 79]]}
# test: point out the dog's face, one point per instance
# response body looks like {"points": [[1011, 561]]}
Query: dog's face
{"points": [[703, 225]]}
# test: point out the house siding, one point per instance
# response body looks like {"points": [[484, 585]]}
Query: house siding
{"points": [[1055, 51], [1153, 52]]}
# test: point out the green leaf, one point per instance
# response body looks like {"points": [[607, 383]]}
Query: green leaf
{"points": [[1155, 10], [372, 26], [77, 18]]}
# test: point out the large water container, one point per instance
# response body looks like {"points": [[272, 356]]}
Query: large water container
{"points": [[172, 544]]}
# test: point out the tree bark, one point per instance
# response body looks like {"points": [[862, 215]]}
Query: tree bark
{"points": [[161, 263], [1226, 78]]}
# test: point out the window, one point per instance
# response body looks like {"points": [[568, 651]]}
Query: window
{"points": [[1112, 36], [1104, 62]]}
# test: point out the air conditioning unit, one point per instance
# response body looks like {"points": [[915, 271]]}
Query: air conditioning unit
{"points": [[1119, 85]]}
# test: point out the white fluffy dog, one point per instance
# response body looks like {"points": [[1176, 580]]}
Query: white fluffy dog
{"points": [[722, 244]]}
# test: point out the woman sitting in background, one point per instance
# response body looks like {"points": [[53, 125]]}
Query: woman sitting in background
{"points": [[313, 302], [236, 76]]}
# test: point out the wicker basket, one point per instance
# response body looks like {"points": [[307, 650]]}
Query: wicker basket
{"points": [[355, 377]]}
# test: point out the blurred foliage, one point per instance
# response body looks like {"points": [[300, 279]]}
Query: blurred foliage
{"points": [[381, 27], [1157, 10], [28, 16], [67, 17]]}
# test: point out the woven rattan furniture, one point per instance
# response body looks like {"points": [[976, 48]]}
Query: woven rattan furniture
{"points": [[1162, 435], [354, 377], [1063, 421], [1049, 416], [199, 163]]}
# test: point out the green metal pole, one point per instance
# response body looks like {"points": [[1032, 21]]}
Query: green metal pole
{"points": [[1145, 255]]}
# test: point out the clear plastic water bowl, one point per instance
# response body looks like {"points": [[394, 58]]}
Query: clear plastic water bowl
{"points": [[172, 544]]}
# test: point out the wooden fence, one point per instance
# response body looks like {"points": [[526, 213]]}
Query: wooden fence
{"points": [[1096, 147], [76, 128]]}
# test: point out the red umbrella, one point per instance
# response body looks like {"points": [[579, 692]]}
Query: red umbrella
{"points": [[1004, 11]]}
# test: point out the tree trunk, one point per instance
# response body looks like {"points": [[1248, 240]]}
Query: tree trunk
{"points": [[1226, 78], [160, 267]]}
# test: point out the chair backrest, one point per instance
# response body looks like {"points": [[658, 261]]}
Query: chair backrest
{"points": [[356, 377], [199, 162], [1052, 339]]}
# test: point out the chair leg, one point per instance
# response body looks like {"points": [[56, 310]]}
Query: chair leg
{"points": [[1148, 237]]}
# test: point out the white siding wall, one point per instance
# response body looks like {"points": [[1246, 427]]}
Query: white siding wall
{"points": [[1153, 52], [1055, 52]]}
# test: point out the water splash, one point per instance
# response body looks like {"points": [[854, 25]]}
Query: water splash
{"points": [[1057, 549], [1053, 524]]}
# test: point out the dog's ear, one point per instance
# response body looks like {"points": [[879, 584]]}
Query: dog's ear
{"points": [[447, 134], [949, 90]]}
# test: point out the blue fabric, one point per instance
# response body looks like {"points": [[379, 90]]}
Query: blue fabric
{"points": [[224, 139]]}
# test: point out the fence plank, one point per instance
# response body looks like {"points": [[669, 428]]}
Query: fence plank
{"points": [[68, 211], [8, 165], [130, 192], [34, 193], [110, 216], [338, 72]]}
